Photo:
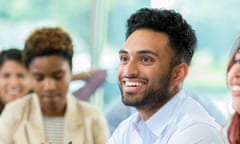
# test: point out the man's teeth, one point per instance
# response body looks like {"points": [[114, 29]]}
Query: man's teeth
{"points": [[236, 88], [133, 84]]}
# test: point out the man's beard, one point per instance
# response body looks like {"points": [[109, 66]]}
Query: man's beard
{"points": [[152, 97]]}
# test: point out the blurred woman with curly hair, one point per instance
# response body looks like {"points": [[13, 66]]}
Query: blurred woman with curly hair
{"points": [[50, 113]]}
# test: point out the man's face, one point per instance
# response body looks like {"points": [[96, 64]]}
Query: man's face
{"points": [[144, 73], [51, 76]]}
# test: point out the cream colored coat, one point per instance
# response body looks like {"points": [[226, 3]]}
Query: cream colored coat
{"points": [[22, 123]]}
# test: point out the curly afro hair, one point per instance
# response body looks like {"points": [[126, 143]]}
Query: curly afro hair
{"points": [[48, 41]]}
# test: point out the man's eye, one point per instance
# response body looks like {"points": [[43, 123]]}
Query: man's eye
{"points": [[146, 59], [123, 58]]}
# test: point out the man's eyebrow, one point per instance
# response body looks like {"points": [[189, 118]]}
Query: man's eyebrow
{"points": [[141, 52], [122, 51], [148, 52]]}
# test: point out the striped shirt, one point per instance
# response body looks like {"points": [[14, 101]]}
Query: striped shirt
{"points": [[53, 128]]}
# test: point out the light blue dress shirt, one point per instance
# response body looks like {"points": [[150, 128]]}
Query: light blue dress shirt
{"points": [[180, 121]]}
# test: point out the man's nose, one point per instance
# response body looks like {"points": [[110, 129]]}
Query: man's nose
{"points": [[131, 68]]}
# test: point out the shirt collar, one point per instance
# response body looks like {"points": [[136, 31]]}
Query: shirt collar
{"points": [[159, 121]]}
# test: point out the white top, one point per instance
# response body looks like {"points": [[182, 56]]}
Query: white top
{"points": [[180, 121], [53, 128]]}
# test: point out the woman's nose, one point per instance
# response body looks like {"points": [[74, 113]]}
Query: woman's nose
{"points": [[49, 84]]}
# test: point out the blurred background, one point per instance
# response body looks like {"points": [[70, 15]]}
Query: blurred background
{"points": [[98, 31]]}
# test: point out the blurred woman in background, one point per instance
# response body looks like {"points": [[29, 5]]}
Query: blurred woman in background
{"points": [[15, 81], [51, 113], [14, 78], [233, 82]]}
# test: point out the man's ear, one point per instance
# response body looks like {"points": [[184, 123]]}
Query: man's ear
{"points": [[179, 73]]}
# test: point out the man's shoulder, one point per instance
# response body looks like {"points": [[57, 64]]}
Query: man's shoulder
{"points": [[192, 123], [191, 120], [198, 132], [190, 111]]}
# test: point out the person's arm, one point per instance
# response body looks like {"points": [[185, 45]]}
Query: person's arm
{"points": [[93, 78], [87, 74], [81, 76]]}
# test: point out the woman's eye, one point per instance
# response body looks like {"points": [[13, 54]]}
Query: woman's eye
{"points": [[237, 61], [38, 78], [21, 75], [5, 75], [58, 76]]}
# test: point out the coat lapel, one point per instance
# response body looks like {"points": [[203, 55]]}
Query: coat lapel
{"points": [[34, 127], [74, 130]]}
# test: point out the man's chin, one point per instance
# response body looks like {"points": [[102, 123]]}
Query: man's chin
{"points": [[130, 103]]}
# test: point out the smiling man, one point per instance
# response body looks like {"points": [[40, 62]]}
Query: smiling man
{"points": [[154, 62]]}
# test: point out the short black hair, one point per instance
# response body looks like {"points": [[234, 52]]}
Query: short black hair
{"points": [[182, 37], [11, 54]]}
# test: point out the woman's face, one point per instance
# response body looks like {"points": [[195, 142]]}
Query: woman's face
{"points": [[14, 81], [233, 81], [50, 76]]}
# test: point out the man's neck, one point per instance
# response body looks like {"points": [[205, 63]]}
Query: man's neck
{"points": [[146, 112]]}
